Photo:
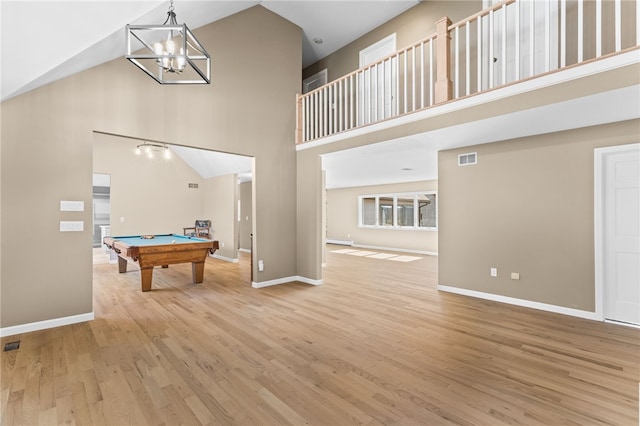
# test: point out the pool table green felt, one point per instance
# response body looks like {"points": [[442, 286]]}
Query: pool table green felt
{"points": [[161, 250]]}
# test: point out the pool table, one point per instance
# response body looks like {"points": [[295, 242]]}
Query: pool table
{"points": [[161, 250]]}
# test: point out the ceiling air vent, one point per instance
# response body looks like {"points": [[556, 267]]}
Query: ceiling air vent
{"points": [[193, 185], [467, 159]]}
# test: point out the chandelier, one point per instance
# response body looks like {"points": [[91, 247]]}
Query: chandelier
{"points": [[150, 147], [168, 53]]}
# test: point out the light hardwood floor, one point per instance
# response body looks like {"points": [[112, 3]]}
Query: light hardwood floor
{"points": [[376, 344]]}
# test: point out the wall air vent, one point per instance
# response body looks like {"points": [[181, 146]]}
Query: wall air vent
{"points": [[467, 159], [193, 186]]}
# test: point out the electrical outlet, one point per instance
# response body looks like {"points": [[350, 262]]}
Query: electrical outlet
{"points": [[260, 265], [494, 272], [515, 276]]}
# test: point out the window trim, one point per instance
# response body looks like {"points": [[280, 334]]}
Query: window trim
{"points": [[395, 195]]}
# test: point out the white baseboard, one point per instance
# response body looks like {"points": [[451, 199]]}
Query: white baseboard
{"points": [[43, 325], [624, 324], [339, 242], [226, 259], [521, 302], [284, 281], [403, 250], [244, 250]]}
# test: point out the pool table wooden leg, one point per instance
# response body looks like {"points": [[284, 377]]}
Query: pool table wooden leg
{"points": [[197, 271], [122, 264], [146, 274]]}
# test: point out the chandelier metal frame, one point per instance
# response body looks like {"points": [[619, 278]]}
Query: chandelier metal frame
{"points": [[168, 66]]}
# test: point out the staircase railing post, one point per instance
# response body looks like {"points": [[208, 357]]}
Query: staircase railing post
{"points": [[298, 119], [443, 84]]}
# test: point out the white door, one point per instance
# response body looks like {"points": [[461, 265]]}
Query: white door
{"points": [[620, 207], [376, 86]]}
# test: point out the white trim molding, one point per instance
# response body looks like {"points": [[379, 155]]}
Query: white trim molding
{"points": [[402, 250], [226, 259], [285, 280], [46, 324], [339, 242], [521, 302]]}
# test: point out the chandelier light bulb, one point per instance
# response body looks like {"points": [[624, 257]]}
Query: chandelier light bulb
{"points": [[182, 61], [167, 154], [171, 47], [138, 151]]}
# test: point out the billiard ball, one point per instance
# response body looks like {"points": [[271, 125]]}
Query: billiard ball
{"points": [[173, 241]]}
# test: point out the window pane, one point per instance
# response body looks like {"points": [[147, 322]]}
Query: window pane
{"points": [[427, 210], [405, 211], [385, 214], [369, 211]]}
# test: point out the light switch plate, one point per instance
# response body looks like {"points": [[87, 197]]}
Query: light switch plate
{"points": [[71, 226], [71, 206]]}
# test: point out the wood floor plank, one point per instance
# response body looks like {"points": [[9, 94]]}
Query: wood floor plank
{"points": [[376, 344]]}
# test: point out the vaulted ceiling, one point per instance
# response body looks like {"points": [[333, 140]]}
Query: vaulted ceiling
{"points": [[42, 41]]}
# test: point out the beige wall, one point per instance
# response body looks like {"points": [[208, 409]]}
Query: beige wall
{"points": [[526, 207], [47, 150], [246, 215], [220, 204], [342, 219], [411, 26], [151, 195]]}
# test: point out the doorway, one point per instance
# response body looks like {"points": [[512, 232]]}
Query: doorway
{"points": [[101, 207], [617, 233], [201, 184]]}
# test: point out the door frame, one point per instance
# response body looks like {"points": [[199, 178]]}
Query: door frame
{"points": [[367, 56], [600, 156]]}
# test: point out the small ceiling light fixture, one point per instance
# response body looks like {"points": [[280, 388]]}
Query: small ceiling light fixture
{"points": [[317, 40], [168, 53], [150, 147]]}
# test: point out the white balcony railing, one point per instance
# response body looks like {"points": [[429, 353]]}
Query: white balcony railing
{"points": [[512, 41]]}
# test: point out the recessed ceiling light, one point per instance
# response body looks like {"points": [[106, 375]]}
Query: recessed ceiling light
{"points": [[317, 40]]}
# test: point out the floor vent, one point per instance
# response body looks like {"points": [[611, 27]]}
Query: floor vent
{"points": [[12, 346], [467, 159]]}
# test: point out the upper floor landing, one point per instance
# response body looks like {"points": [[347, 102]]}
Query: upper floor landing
{"points": [[512, 47]]}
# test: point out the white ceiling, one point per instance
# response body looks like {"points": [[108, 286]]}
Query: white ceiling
{"points": [[209, 164], [60, 38]]}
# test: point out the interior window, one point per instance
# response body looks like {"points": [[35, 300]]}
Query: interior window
{"points": [[369, 211], [385, 213], [427, 210], [407, 210]]}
